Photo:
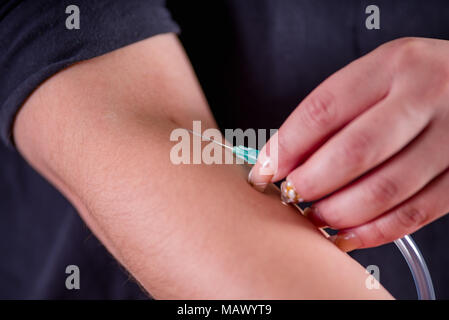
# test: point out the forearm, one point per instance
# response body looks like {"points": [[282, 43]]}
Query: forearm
{"points": [[184, 231]]}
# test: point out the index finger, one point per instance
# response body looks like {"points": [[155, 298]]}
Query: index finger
{"points": [[333, 104]]}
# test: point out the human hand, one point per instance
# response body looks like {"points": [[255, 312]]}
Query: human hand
{"points": [[371, 144]]}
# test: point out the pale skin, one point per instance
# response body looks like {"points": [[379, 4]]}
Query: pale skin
{"points": [[99, 131], [370, 145]]}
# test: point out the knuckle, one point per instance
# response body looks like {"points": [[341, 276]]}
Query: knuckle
{"points": [[411, 217], [319, 110], [408, 52], [418, 56], [403, 41], [355, 149], [383, 190]]}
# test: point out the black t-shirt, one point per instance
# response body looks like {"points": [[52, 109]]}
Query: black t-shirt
{"points": [[255, 59]]}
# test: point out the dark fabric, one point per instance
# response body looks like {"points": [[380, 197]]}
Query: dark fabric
{"points": [[256, 60], [35, 43]]}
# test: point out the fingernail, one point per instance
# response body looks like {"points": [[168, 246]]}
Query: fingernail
{"points": [[260, 175], [259, 186], [289, 194], [313, 214], [346, 241]]}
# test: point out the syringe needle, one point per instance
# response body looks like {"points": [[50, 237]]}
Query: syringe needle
{"points": [[212, 140]]}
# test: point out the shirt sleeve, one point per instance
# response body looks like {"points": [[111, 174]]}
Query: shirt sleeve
{"points": [[35, 42]]}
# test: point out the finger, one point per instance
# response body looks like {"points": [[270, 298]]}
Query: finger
{"points": [[426, 206], [363, 144], [388, 185], [338, 100]]}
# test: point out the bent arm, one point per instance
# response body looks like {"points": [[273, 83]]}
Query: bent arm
{"points": [[99, 131]]}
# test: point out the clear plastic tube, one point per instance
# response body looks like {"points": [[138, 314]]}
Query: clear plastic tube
{"points": [[418, 268], [415, 261]]}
